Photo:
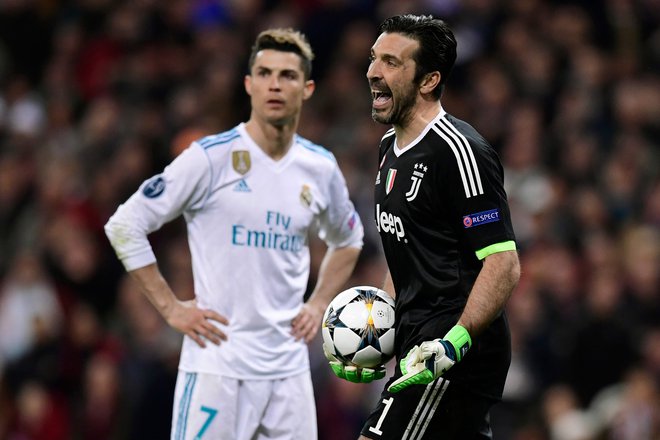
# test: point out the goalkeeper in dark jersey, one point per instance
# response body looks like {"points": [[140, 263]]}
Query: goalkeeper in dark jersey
{"points": [[443, 218]]}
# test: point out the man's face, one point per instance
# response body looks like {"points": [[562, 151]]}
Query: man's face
{"points": [[277, 86], [391, 77]]}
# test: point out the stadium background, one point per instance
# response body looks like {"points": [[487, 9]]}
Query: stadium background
{"points": [[97, 95]]}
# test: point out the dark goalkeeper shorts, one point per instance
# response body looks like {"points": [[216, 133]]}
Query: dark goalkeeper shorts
{"points": [[439, 411]]}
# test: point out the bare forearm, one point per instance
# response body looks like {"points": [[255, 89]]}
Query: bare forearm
{"points": [[335, 270], [497, 279], [388, 285], [183, 316], [155, 288]]}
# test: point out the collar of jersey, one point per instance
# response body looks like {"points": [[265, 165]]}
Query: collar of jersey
{"points": [[399, 151], [276, 165]]}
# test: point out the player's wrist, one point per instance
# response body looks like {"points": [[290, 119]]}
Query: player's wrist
{"points": [[460, 341]]}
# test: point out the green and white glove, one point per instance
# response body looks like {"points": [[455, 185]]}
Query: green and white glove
{"points": [[431, 359], [352, 373]]}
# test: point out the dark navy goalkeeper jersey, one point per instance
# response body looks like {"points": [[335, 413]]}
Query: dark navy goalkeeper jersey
{"points": [[440, 209]]}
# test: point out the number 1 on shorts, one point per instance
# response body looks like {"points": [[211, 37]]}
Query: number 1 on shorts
{"points": [[388, 404]]}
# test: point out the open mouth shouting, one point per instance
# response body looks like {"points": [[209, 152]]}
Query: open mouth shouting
{"points": [[381, 98]]}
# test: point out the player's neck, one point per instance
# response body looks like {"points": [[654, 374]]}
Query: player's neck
{"points": [[420, 117], [274, 140]]}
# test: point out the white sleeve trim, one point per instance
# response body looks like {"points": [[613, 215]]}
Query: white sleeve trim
{"points": [[142, 259]]}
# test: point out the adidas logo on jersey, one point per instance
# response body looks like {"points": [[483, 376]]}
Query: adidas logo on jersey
{"points": [[242, 186], [390, 223]]}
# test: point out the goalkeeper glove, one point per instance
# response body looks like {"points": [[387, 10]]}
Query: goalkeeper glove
{"points": [[426, 362], [352, 373]]}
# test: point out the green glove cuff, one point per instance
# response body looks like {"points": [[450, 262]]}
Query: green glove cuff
{"points": [[422, 378], [459, 337]]}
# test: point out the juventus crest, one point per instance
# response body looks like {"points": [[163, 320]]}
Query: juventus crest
{"points": [[417, 176]]}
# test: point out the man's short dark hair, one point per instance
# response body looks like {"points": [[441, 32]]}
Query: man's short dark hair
{"points": [[285, 40], [437, 45]]}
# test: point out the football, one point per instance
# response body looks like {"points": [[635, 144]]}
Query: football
{"points": [[358, 327]]}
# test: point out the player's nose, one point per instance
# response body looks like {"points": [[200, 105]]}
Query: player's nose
{"points": [[372, 71]]}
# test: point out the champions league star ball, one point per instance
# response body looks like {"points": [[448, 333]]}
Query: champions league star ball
{"points": [[358, 327]]}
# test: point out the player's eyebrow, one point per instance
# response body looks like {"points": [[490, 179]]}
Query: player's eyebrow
{"points": [[385, 57], [390, 57], [285, 71]]}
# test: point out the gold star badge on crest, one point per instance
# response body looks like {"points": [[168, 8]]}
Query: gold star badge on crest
{"points": [[241, 162]]}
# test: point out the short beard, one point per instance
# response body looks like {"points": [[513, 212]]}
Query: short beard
{"points": [[401, 113]]}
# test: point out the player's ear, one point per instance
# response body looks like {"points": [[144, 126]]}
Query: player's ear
{"points": [[247, 81], [310, 86], [429, 82]]}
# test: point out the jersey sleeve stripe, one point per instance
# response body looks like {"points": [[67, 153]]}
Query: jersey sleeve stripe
{"points": [[387, 134], [495, 248], [311, 146], [470, 152], [212, 177], [218, 138], [461, 147], [458, 160], [464, 147], [221, 141]]}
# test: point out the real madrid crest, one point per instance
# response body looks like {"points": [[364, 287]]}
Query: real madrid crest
{"points": [[241, 162], [306, 196]]}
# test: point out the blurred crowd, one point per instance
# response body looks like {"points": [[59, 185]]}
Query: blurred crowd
{"points": [[98, 95]]}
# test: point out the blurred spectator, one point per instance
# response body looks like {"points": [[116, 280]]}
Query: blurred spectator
{"points": [[100, 413], [565, 418], [30, 311], [591, 366], [629, 410], [39, 415], [640, 250], [150, 365], [638, 416]]}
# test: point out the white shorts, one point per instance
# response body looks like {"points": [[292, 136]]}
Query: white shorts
{"points": [[209, 406]]}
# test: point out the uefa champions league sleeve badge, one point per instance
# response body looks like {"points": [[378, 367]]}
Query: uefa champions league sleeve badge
{"points": [[154, 187]]}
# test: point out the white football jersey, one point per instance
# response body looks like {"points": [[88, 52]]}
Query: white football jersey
{"points": [[248, 219]]}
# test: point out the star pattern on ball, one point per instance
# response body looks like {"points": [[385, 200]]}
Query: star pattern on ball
{"points": [[358, 327], [370, 334]]}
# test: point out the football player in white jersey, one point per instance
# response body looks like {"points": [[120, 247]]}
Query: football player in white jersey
{"points": [[250, 197]]}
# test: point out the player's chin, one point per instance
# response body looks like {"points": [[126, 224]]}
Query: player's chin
{"points": [[381, 116], [278, 118]]}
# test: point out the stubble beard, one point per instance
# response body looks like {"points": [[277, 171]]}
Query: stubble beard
{"points": [[401, 112]]}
